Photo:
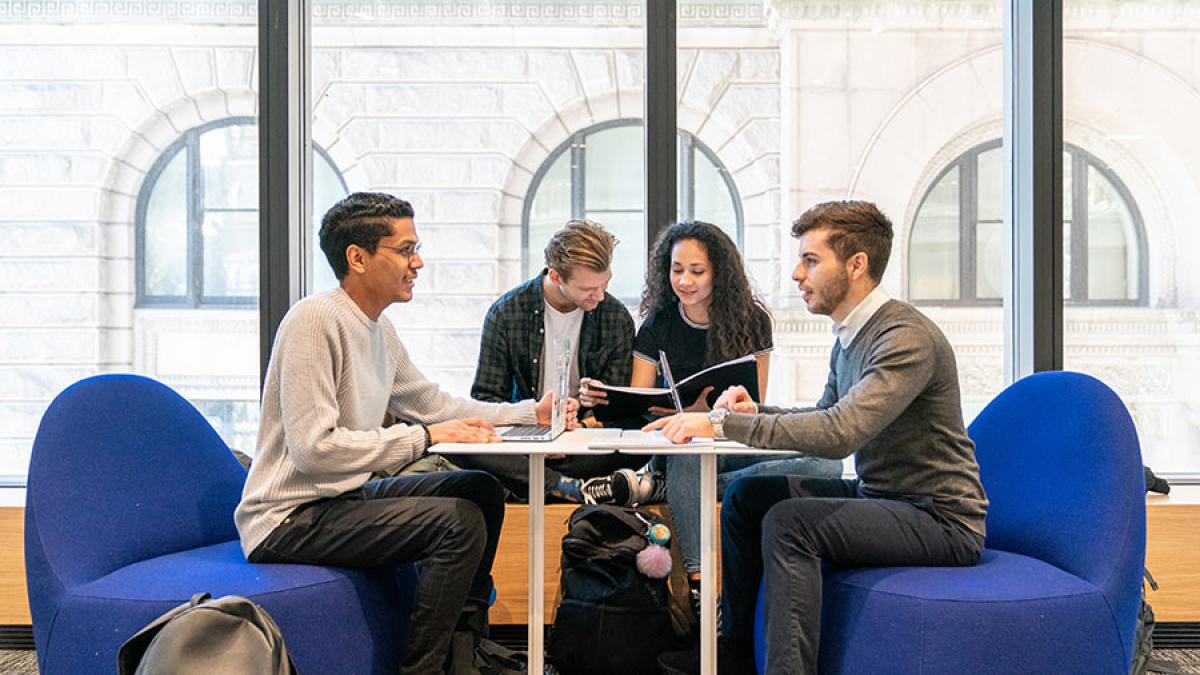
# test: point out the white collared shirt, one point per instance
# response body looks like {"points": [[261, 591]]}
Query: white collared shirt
{"points": [[858, 317]]}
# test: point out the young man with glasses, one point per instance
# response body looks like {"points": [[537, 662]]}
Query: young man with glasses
{"points": [[567, 299], [336, 370]]}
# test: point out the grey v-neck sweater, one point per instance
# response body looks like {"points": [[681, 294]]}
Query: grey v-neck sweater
{"points": [[892, 400], [333, 374]]}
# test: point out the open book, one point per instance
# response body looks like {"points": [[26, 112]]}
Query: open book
{"points": [[627, 402], [632, 439]]}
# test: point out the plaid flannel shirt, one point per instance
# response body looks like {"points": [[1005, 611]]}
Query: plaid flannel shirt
{"points": [[513, 334]]}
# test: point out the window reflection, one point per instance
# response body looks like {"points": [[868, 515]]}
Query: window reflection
{"points": [[599, 174], [1101, 233]]}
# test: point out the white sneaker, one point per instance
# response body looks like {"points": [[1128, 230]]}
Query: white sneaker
{"points": [[631, 488]]}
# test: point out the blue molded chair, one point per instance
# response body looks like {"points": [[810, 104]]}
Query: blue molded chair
{"points": [[129, 512], [1059, 583]]}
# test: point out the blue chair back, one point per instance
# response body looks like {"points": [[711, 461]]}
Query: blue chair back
{"points": [[123, 469], [1060, 461]]}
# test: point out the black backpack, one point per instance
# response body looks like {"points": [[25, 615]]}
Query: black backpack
{"points": [[611, 618], [229, 635], [1143, 641]]}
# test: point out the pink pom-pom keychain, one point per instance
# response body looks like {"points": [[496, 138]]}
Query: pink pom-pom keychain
{"points": [[655, 560]]}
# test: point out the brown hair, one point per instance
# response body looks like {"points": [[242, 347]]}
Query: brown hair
{"points": [[580, 243], [854, 226]]}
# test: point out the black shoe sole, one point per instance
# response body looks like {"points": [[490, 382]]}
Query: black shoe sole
{"points": [[620, 490]]}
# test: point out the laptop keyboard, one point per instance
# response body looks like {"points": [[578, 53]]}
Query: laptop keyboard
{"points": [[525, 430]]}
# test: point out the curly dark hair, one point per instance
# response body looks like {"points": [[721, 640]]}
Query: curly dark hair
{"points": [[735, 312], [362, 219]]}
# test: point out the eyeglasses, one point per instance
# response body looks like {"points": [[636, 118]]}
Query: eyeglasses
{"points": [[407, 251]]}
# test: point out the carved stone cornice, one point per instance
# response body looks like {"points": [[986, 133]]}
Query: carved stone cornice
{"points": [[1138, 323], [384, 12], [1079, 15]]}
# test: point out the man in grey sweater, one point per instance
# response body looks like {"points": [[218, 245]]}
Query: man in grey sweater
{"points": [[337, 367], [891, 400]]}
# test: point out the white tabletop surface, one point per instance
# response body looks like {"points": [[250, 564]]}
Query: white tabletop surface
{"points": [[570, 443], [578, 442]]}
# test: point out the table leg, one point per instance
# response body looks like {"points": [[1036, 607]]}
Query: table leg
{"points": [[708, 564], [537, 562]]}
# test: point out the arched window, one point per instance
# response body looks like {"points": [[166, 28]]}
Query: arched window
{"points": [[956, 249], [599, 174], [197, 217]]}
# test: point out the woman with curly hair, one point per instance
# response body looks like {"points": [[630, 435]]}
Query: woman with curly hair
{"points": [[699, 309]]}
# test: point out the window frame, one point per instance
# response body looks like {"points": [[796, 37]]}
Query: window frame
{"points": [[576, 143], [195, 298], [967, 164]]}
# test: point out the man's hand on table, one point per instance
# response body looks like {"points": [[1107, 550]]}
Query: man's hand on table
{"points": [[736, 399], [682, 428], [472, 430]]}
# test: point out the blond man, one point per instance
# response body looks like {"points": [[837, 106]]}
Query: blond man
{"points": [[566, 303]]}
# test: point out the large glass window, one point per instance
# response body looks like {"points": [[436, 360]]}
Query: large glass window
{"points": [[198, 217], [1133, 312], [866, 102], [128, 188], [197, 225], [599, 174], [454, 107], [956, 248]]}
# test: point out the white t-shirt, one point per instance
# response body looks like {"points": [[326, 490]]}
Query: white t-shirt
{"points": [[559, 325]]}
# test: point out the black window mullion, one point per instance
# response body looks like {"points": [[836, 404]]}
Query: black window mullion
{"points": [[968, 218], [1079, 227], [1033, 144], [195, 217], [284, 162], [662, 187]]}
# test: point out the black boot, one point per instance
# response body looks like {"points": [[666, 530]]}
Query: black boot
{"points": [[471, 653], [730, 661]]}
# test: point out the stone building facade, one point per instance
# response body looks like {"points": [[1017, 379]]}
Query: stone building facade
{"points": [[457, 106]]}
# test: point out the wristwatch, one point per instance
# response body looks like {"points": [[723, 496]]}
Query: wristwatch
{"points": [[717, 417]]}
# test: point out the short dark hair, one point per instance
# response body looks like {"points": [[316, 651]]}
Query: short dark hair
{"points": [[361, 219], [854, 226]]}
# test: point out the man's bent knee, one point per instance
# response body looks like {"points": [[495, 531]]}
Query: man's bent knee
{"points": [[743, 499], [484, 489], [468, 532], [785, 526]]}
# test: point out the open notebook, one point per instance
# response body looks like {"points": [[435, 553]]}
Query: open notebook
{"points": [[626, 402], [633, 439]]}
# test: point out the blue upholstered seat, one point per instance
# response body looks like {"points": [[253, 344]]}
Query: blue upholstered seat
{"points": [[130, 511], [1058, 586]]}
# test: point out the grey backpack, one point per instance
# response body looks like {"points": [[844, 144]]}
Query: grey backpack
{"points": [[229, 635]]}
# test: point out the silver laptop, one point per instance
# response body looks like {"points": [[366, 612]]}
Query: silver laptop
{"points": [[558, 409], [536, 432]]}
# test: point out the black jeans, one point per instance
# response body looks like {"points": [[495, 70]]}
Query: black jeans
{"points": [[513, 470], [449, 522], [782, 528]]}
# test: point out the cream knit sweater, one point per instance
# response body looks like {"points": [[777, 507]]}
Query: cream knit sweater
{"points": [[333, 374]]}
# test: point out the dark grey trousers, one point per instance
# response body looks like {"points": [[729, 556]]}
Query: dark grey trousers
{"points": [[449, 522], [781, 528]]}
